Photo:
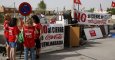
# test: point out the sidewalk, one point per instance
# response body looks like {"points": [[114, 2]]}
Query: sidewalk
{"points": [[98, 49]]}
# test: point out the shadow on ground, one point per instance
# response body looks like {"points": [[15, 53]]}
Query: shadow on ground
{"points": [[67, 52]]}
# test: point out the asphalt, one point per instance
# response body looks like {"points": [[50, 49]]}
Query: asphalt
{"points": [[97, 49]]}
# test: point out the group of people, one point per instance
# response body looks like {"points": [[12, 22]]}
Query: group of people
{"points": [[31, 33]]}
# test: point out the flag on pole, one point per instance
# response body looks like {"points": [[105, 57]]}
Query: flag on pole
{"points": [[113, 4], [101, 8], [74, 1], [77, 1]]}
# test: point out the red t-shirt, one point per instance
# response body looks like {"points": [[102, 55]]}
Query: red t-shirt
{"points": [[38, 27], [6, 28], [29, 36], [13, 31]]}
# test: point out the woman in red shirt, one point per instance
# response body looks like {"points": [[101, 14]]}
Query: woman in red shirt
{"points": [[13, 33], [38, 28], [7, 18], [29, 36]]}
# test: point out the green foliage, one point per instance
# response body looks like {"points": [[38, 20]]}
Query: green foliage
{"points": [[1, 18], [91, 10], [111, 11], [41, 7]]}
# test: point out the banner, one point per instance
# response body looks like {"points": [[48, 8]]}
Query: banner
{"points": [[52, 38], [88, 18]]}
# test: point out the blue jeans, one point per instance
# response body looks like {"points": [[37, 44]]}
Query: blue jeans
{"points": [[32, 53]]}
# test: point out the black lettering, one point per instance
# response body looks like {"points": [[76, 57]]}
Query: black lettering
{"points": [[62, 29], [53, 29], [49, 30], [102, 17], [89, 16], [56, 29], [51, 43], [47, 43], [97, 16], [93, 16]]}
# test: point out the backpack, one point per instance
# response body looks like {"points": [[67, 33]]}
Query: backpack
{"points": [[21, 37]]}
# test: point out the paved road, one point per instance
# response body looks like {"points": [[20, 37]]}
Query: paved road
{"points": [[98, 49]]}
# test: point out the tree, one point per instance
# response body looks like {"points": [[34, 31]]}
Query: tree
{"points": [[41, 7], [91, 10], [111, 11]]}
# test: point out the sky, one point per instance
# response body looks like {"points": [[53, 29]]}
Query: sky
{"points": [[60, 4]]}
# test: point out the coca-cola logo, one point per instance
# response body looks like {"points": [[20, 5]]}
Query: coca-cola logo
{"points": [[56, 36], [48, 37], [92, 33]]}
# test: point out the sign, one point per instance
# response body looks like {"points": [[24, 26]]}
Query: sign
{"points": [[25, 9], [91, 18], [52, 37], [93, 33]]}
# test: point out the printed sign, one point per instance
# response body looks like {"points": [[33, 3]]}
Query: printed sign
{"points": [[91, 18], [52, 38], [93, 33]]}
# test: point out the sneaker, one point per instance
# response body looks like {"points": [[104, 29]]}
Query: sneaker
{"points": [[7, 58]]}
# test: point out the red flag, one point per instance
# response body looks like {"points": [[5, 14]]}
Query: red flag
{"points": [[113, 4], [77, 1], [74, 1]]}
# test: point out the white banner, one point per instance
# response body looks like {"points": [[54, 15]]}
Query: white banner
{"points": [[93, 33], [91, 18], [52, 38]]}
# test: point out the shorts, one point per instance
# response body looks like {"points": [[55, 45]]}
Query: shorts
{"points": [[12, 44], [38, 44]]}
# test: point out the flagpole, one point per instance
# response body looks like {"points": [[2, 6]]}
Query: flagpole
{"points": [[73, 7], [78, 7], [14, 10]]}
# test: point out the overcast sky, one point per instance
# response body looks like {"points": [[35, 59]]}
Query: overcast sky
{"points": [[54, 4]]}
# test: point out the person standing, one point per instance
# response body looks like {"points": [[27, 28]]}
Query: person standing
{"points": [[7, 18], [29, 39], [38, 28], [13, 35]]}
